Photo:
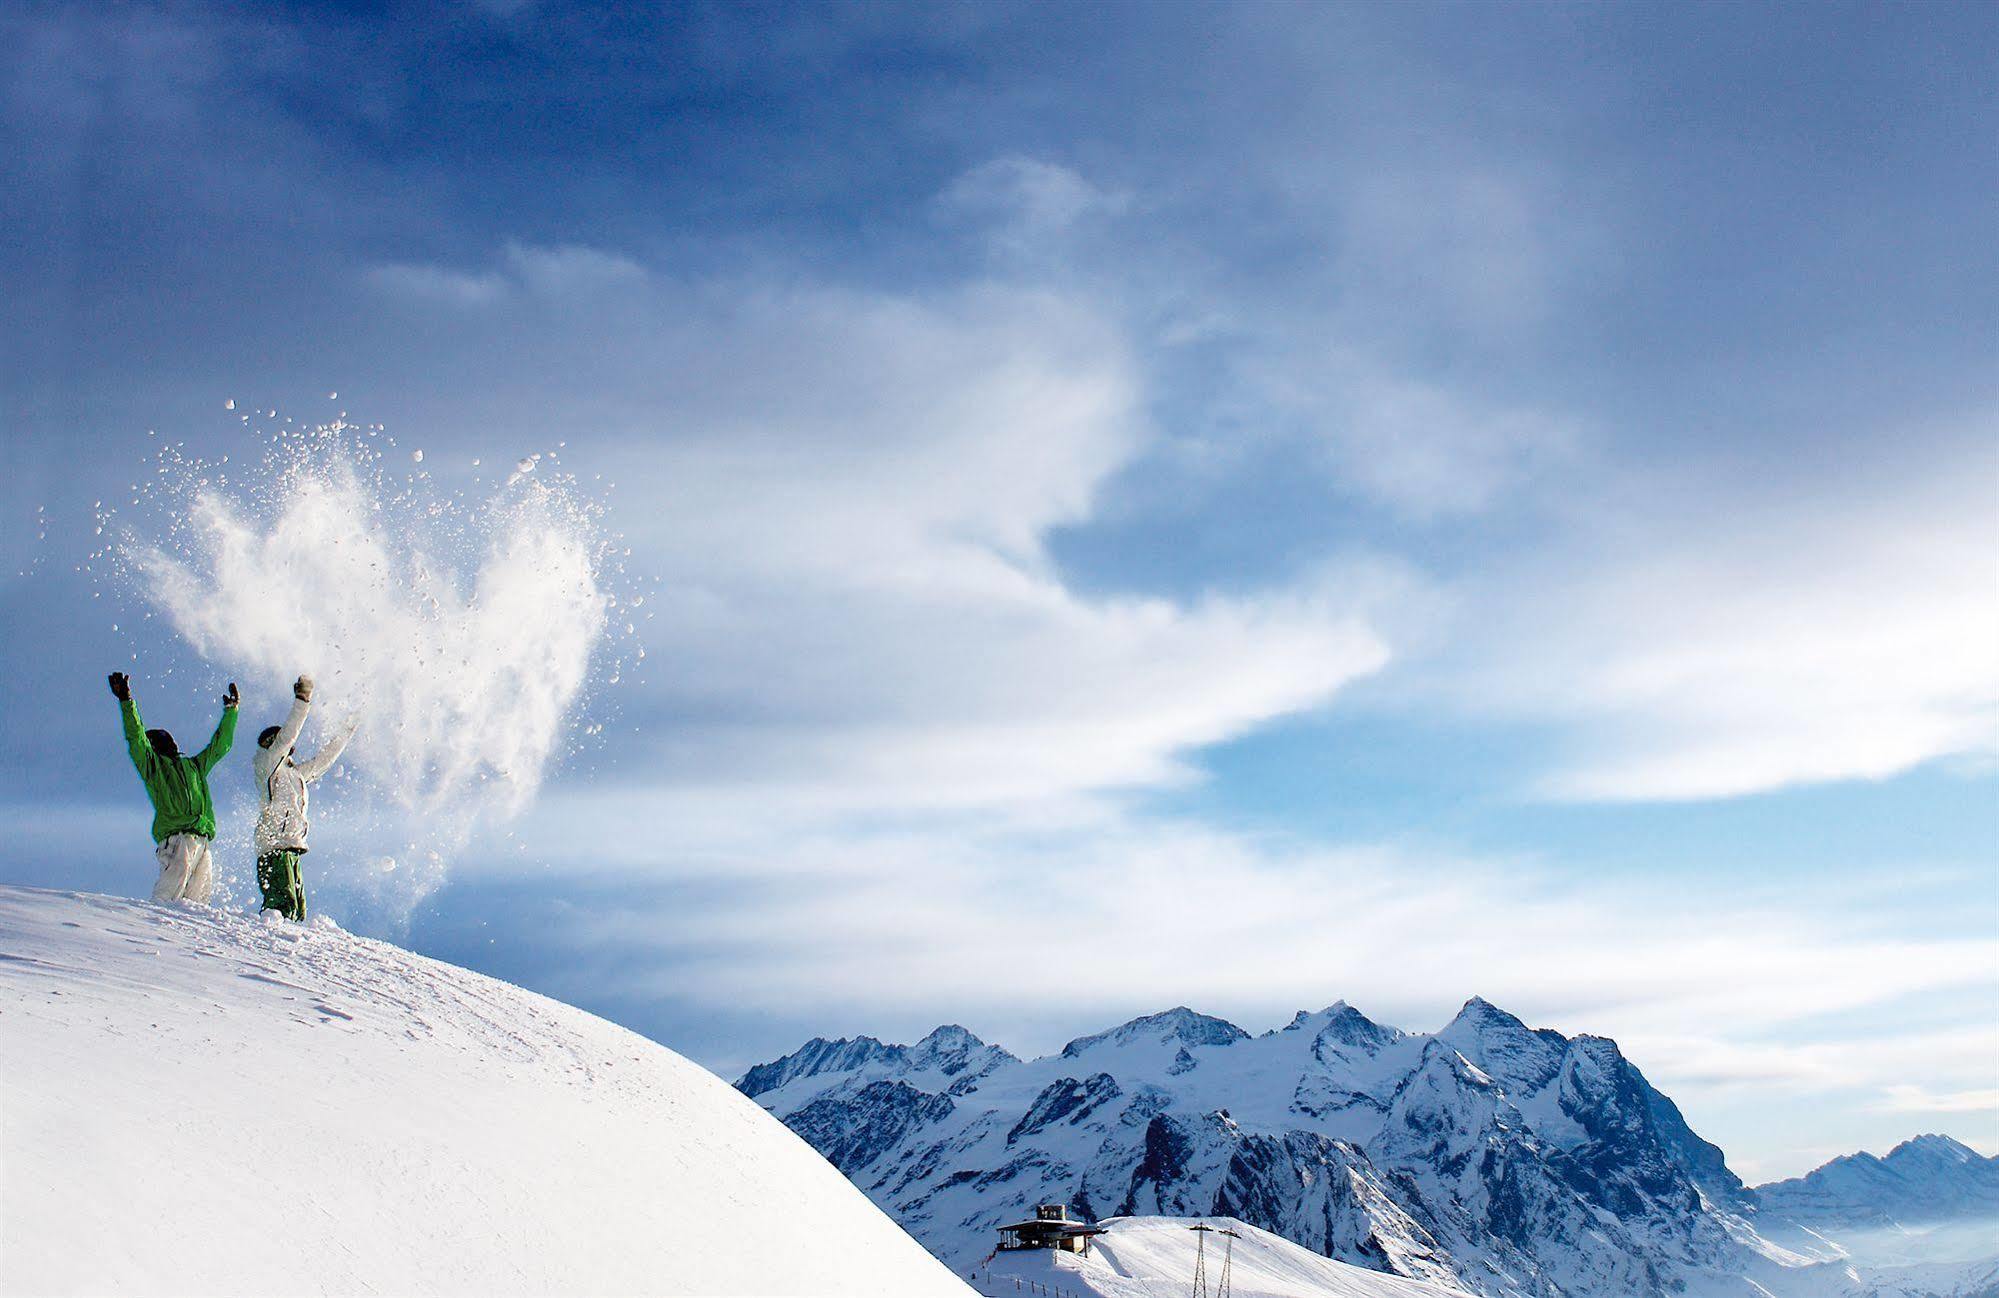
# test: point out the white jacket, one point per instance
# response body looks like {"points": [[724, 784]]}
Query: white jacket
{"points": [[281, 820]]}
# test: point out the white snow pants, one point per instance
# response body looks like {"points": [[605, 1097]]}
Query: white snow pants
{"points": [[187, 872]]}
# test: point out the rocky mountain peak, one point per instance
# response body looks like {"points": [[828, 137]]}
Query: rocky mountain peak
{"points": [[948, 1036], [1525, 1059], [1179, 1024], [815, 1057], [1349, 1027], [951, 1050], [1481, 1018], [1933, 1148]]}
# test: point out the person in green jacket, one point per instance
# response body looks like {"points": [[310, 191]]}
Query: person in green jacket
{"points": [[183, 811]]}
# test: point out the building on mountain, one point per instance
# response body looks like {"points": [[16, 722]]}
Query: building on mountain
{"points": [[1050, 1227]]}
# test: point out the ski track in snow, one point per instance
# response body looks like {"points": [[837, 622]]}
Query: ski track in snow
{"points": [[193, 1101]]}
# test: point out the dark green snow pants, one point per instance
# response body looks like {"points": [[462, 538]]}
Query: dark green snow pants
{"points": [[284, 892]]}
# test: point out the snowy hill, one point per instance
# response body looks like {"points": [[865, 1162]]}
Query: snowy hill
{"points": [[1505, 1160], [1154, 1257], [198, 1102]]}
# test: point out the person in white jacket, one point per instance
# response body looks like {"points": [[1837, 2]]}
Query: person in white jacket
{"points": [[281, 818]]}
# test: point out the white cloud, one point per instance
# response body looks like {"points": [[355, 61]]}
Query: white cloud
{"points": [[436, 283], [1917, 1099], [1025, 204], [1420, 447], [549, 272], [847, 498], [570, 268], [1733, 637], [1829, 1054], [854, 561]]}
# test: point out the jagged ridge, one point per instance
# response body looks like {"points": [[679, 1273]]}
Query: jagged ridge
{"points": [[1503, 1159]]}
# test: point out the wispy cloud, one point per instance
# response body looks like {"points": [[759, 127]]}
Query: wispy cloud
{"points": [[437, 283], [1025, 206], [524, 268], [847, 501], [1424, 449], [861, 923], [1729, 638], [1916, 1099]]}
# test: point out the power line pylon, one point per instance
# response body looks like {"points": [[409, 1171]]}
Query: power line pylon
{"points": [[1228, 1262], [1201, 1232]]}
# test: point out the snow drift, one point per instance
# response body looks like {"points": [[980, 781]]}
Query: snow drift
{"points": [[1154, 1257], [198, 1102]]}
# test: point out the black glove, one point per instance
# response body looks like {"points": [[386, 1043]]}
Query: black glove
{"points": [[302, 689], [121, 687], [229, 696]]}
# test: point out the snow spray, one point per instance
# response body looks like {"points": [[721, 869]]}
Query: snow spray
{"points": [[459, 627]]}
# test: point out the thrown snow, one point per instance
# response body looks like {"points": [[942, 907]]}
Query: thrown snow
{"points": [[200, 1102], [416, 608], [1154, 1257]]}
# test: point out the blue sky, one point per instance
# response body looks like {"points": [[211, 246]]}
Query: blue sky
{"points": [[1368, 502]]}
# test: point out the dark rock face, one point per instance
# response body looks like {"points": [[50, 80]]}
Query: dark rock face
{"points": [[1169, 1153], [853, 1131], [1328, 1197], [1066, 1100], [1181, 1158], [1630, 1165]]}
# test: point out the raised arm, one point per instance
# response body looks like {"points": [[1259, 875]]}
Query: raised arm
{"points": [[294, 721], [225, 734], [329, 752], [136, 742]]}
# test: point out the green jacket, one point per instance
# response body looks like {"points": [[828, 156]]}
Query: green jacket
{"points": [[178, 786]]}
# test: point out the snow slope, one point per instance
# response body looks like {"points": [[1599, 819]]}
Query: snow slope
{"points": [[1154, 1257], [199, 1102]]}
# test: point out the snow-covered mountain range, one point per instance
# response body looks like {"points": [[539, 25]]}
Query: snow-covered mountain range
{"points": [[195, 1102], [1931, 1206], [1489, 1157], [1924, 1181]]}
